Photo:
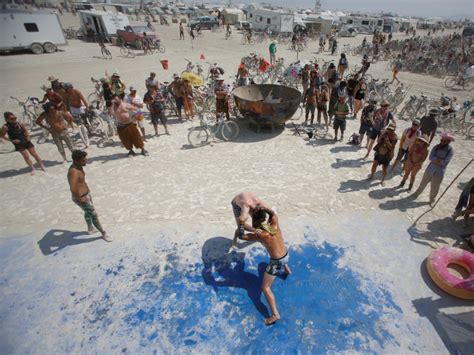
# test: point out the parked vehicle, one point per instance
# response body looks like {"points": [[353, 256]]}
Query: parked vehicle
{"points": [[242, 25], [204, 22], [134, 35], [38, 31], [104, 24]]}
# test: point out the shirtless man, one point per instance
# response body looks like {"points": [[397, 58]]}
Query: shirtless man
{"points": [[57, 127], [243, 204], [271, 237], [76, 100], [81, 195]]}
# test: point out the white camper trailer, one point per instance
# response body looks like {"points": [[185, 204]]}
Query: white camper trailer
{"points": [[39, 31], [103, 23]]}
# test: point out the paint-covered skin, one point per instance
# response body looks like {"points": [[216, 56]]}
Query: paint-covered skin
{"points": [[135, 301]]}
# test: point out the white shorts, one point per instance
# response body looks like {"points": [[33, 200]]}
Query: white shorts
{"points": [[77, 111]]}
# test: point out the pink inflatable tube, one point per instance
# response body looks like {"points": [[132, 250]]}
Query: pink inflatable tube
{"points": [[438, 263]]}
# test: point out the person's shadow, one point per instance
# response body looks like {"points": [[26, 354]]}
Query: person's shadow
{"points": [[57, 239], [227, 269]]}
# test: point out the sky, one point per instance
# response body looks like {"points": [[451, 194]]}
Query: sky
{"points": [[422, 8]]}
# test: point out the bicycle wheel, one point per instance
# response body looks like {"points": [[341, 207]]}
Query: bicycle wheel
{"points": [[93, 97], [84, 135], [299, 113], [230, 130], [106, 53], [470, 132], [124, 51], [162, 48], [450, 83], [198, 136], [27, 119]]}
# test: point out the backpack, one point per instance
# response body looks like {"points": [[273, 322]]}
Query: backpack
{"points": [[354, 139]]}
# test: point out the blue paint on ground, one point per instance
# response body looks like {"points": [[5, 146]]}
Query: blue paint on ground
{"points": [[213, 304], [323, 307]]}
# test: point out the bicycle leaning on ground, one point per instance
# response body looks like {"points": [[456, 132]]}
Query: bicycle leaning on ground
{"points": [[209, 127]]}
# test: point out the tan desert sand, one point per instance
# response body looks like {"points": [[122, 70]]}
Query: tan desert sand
{"points": [[181, 196]]}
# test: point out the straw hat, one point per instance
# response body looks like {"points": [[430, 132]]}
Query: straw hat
{"points": [[220, 78], [52, 78], [424, 138], [416, 121]]}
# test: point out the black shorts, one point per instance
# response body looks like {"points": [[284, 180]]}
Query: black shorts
{"points": [[23, 146], [340, 124], [374, 133], [179, 103], [382, 159]]}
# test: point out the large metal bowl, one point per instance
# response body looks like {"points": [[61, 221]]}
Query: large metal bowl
{"points": [[267, 104]]}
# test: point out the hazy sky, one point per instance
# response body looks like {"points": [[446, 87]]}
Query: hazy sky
{"points": [[424, 8]]}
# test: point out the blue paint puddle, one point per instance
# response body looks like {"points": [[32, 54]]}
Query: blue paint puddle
{"points": [[323, 307]]}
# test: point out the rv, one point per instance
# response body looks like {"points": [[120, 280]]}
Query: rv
{"points": [[363, 24], [263, 19], [38, 31], [102, 23]]}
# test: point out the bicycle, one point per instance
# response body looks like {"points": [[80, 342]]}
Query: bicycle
{"points": [[458, 80], [156, 45], [96, 97], [126, 51], [195, 69], [246, 40], [28, 116], [210, 128], [104, 51]]}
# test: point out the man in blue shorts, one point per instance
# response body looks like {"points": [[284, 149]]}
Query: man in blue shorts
{"points": [[269, 234]]}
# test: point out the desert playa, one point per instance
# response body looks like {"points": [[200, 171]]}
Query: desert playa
{"points": [[168, 282]]}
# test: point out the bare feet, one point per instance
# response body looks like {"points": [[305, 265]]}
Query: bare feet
{"points": [[272, 320], [107, 237]]}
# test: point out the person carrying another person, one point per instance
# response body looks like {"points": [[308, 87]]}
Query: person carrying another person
{"points": [[408, 139], [222, 97], [417, 154], [384, 151], [80, 192], [243, 205], [19, 136], [126, 128], [271, 237], [136, 102], [440, 156], [58, 122], [156, 104]]}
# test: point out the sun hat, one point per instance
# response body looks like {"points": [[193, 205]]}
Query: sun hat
{"points": [[220, 78], [52, 78], [116, 74], [424, 138], [132, 88], [416, 121], [446, 135], [175, 76]]}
